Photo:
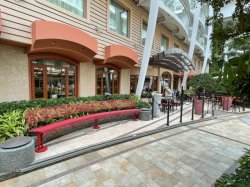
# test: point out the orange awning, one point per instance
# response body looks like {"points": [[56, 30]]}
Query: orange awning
{"points": [[59, 38], [191, 73], [120, 56]]}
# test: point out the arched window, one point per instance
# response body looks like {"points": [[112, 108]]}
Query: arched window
{"points": [[166, 79], [53, 78], [107, 80]]}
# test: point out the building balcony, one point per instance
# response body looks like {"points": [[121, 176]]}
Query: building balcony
{"points": [[174, 15]]}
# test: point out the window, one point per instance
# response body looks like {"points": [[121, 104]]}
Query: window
{"points": [[164, 43], [53, 79], [166, 81], [144, 32], [150, 84], [133, 83], [75, 6], [107, 80], [118, 18]]}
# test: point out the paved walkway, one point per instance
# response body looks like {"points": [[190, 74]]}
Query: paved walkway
{"points": [[86, 137], [194, 155]]}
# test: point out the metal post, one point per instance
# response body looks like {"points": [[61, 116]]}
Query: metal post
{"points": [[168, 112], [153, 101], [192, 109], [203, 103], [181, 104], [213, 108], [208, 102]]}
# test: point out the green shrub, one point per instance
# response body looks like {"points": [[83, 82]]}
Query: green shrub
{"points": [[189, 92], [241, 177], [23, 105], [41, 116], [139, 102], [12, 124]]}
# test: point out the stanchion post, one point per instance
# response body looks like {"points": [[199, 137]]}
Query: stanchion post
{"points": [[203, 103], [192, 109], [181, 104], [213, 108], [168, 112], [153, 101]]}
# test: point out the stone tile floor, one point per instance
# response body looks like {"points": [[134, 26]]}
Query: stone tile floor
{"points": [[194, 155]]}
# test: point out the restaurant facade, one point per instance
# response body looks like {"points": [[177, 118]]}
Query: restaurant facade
{"points": [[75, 48]]}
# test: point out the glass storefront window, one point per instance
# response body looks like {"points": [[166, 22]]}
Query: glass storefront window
{"points": [[150, 84], [107, 81], [75, 6], [166, 80], [53, 79], [38, 82], [118, 18]]}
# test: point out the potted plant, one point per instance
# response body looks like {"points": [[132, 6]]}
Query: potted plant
{"points": [[201, 84]]}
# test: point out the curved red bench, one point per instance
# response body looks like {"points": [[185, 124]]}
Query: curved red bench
{"points": [[41, 131]]}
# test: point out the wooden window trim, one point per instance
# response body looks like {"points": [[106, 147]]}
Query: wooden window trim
{"points": [[108, 66], [136, 77], [50, 56]]}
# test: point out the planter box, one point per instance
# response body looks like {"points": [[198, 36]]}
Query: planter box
{"points": [[16, 153], [145, 114], [227, 102], [197, 106]]}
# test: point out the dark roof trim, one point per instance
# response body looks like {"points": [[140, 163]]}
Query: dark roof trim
{"points": [[174, 59]]}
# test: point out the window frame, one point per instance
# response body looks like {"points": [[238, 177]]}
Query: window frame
{"points": [[128, 8], [59, 9], [49, 56], [169, 81], [164, 36], [142, 45], [136, 78], [143, 22], [108, 66]]}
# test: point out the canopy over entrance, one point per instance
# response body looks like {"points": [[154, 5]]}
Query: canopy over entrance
{"points": [[174, 59]]}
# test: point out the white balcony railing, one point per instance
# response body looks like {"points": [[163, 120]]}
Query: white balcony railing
{"points": [[177, 7]]}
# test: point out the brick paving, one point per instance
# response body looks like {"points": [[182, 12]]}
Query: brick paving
{"points": [[193, 155]]}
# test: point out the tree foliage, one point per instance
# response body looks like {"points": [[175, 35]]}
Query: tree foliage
{"points": [[236, 29], [233, 34], [201, 82], [237, 76], [240, 178]]}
